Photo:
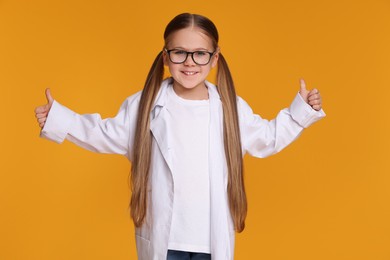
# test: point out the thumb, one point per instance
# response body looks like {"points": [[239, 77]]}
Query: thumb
{"points": [[303, 86], [303, 91], [49, 97]]}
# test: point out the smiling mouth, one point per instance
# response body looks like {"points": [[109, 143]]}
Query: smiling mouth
{"points": [[189, 73]]}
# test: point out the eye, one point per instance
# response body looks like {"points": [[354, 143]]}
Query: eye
{"points": [[200, 53], [179, 52]]}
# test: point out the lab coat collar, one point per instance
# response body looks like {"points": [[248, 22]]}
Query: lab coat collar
{"points": [[162, 94]]}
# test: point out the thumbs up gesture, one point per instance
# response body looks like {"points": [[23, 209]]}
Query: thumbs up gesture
{"points": [[41, 112], [312, 97]]}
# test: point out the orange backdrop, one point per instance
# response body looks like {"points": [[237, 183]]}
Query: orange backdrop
{"points": [[327, 196]]}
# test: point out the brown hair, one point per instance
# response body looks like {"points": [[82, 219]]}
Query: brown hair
{"points": [[232, 142]]}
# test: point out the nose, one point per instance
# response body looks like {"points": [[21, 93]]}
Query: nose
{"points": [[189, 61]]}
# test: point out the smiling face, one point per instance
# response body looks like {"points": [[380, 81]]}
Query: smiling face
{"points": [[189, 78]]}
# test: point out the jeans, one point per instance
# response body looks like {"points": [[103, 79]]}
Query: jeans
{"points": [[182, 255]]}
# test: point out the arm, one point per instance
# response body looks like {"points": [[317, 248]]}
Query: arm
{"points": [[90, 131], [262, 138]]}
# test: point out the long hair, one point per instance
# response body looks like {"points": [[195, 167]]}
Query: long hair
{"points": [[232, 142]]}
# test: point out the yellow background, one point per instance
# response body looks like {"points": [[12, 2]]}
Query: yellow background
{"points": [[327, 196]]}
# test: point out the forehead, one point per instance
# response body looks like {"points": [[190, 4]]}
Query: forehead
{"points": [[189, 38]]}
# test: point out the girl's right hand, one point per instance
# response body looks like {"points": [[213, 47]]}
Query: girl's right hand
{"points": [[41, 112]]}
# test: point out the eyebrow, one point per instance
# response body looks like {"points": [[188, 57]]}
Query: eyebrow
{"points": [[185, 49]]}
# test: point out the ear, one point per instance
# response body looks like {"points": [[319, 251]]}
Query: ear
{"points": [[165, 58], [215, 59]]}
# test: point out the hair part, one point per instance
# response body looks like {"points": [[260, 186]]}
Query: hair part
{"points": [[232, 142], [187, 20]]}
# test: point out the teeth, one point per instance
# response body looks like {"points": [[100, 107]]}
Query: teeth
{"points": [[189, 72]]}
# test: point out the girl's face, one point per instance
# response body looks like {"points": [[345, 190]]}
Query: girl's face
{"points": [[188, 76]]}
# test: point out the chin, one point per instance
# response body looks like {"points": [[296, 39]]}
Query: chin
{"points": [[189, 84]]}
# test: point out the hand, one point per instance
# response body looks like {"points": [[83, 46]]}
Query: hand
{"points": [[41, 112], [312, 97]]}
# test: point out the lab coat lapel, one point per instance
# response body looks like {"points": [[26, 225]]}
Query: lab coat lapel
{"points": [[220, 235], [159, 124], [161, 133]]}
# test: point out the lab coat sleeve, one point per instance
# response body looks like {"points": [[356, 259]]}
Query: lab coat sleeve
{"points": [[262, 138], [90, 131]]}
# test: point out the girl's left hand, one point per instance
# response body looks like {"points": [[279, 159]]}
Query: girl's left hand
{"points": [[312, 97]]}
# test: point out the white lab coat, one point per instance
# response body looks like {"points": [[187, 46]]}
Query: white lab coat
{"points": [[259, 137]]}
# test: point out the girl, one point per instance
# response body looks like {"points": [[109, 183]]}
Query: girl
{"points": [[185, 139]]}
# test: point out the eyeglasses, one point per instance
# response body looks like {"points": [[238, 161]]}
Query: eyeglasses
{"points": [[180, 56]]}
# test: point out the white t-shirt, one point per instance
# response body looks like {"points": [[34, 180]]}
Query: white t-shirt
{"points": [[190, 229]]}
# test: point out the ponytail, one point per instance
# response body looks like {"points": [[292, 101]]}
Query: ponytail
{"points": [[232, 142], [139, 177]]}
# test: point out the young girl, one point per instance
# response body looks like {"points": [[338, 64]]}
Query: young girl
{"points": [[185, 139]]}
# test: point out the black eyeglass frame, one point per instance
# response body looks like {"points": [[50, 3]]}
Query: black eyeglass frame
{"points": [[192, 56]]}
